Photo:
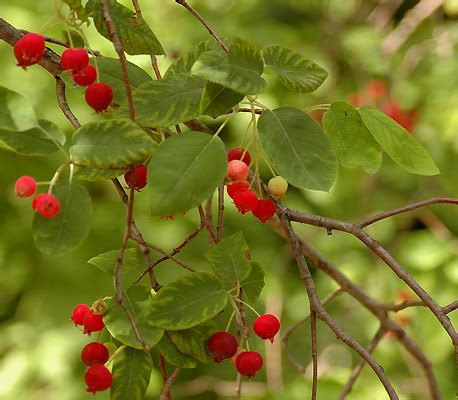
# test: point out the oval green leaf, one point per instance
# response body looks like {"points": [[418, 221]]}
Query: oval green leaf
{"points": [[253, 285], [106, 262], [295, 71], [193, 341], [185, 170], [297, 148], [188, 301], [219, 99], [398, 143], [174, 356], [70, 226], [16, 113]]}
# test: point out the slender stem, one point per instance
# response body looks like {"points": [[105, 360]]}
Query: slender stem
{"points": [[219, 227], [204, 221], [165, 393], [314, 353]]}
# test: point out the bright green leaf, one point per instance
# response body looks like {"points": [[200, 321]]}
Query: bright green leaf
{"points": [[398, 143], [75, 5], [186, 169], [16, 113], [188, 301], [71, 224], [174, 356], [194, 341], [295, 71], [106, 262], [298, 149], [253, 285], [353, 144]]}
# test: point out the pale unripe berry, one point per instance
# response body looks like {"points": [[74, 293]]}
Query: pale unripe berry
{"points": [[237, 171], [278, 186]]}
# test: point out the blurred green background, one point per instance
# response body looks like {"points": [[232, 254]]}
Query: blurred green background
{"points": [[40, 349]]}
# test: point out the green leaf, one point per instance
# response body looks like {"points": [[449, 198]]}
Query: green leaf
{"points": [[16, 113], [134, 33], [40, 140], [138, 301], [131, 374], [70, 226], [353, 144], [194, 341], [167, 102], [239, 70], [106, 262], [398, 143], [219, 99], [92, 174], [75, 5], [297, 148], [174, 356], [186, 169], [229, 258], [295, 71], [253, 285], [110, 144], [188, 301]]}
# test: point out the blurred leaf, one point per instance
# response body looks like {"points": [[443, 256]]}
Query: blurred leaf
{"points": [[106, 262], [177, 172], [188, 301], [16, 113], [219, 99], [71, 224], [174, 356], [138, 301], [399, 144], [253, 285], [75, 5], [109, 144], [229, 258], [92, 174], [193, 341], [353, 144], [166, 102], [297, 148], [134, 33], [295, 71], [131, 374]]}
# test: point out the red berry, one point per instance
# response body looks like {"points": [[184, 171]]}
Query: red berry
{"points": [[86, 76], [46, 204], [236, 154], [29, 49], [78, 314], [99, 96], [92, 322], [74, 59], [237, 171], [25, 186], [231, 189], [248, 363], [264, 210], [140, 177], [245, 200], [222, 345], [266, 326], [403, 118], [376, 89], [94, 353], [98, 378]]}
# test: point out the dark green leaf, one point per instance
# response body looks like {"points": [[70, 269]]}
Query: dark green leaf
{"points": [[398, 143], [138, 301], [297, 148], [194, 341], [70, 226], [229, 258], [188, 301], [353, 144], [174, 356], [106, 262], [177, 170], [253, 285], [219, 99], [131, 374], [295, 71], [90, 174], [16, 113]]}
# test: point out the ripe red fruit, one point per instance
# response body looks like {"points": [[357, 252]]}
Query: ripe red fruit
{"points": [[231, 189], [264, 210], [237, 171], [92, 322], [99, 96], [29, 49], [94, 353], [376, 89], [248, 363], [245, 200], [236, 154], [266, 326], [78, 314], [140, 177], [98, 378], [25, 186], [86, 76], [222, 345], [74, 59], [46, 204]]}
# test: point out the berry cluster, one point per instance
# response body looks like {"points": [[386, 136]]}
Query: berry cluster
{"points": [[45, 204], [94, 355], [223, 345], [139, 180]]}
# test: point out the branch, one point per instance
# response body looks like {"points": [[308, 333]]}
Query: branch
{"points": [[204, 221], [165, 393], [451, 307], [219, 227], [314, 353]]}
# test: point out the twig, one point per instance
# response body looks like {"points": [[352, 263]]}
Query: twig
{"points": [[402, 306], [209, 209], [219, 227], [203, 220], [122, 57], [165, 393], [314, 353], [451, 307], [163, 372], [62, 101]]}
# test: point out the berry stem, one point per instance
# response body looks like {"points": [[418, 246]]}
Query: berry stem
{"points": [[230, 321], [317, 107], [246, 304], [55, 178]]}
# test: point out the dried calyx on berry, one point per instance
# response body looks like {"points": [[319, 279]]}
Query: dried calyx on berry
{"points": [[222, 345]]}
